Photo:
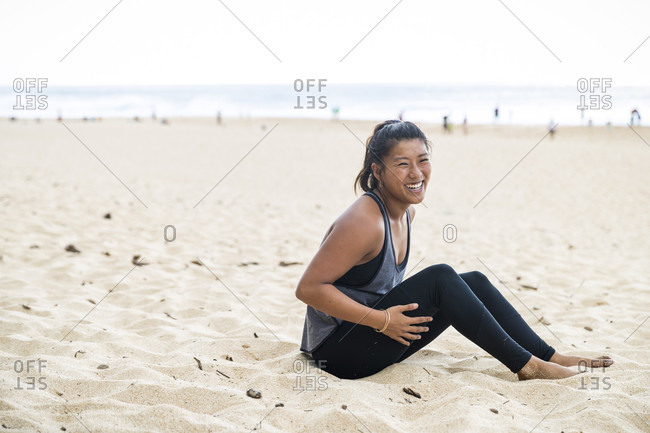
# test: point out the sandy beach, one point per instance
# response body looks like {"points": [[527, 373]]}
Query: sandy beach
{"points": [[147, 276]]}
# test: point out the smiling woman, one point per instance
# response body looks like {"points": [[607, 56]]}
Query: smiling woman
{"points": [[361, 317]]}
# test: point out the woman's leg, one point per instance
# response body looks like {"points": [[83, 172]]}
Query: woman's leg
{"points": [[514, 325], [355, 351], [504, 313]]}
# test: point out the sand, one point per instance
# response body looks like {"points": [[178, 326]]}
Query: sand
{"points": [[211, 312]]}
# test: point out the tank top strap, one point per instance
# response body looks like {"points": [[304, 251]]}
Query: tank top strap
{"points": [[388, 238], [380, 203]]}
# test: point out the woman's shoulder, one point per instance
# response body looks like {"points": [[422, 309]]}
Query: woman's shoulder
{"points": [[362, 219], [364, 211]]}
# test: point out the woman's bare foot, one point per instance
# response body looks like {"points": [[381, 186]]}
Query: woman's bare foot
{"points": [[535, 368], [581, 361]]}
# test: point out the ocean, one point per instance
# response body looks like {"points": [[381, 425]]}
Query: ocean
{"points": [[517, 105]]}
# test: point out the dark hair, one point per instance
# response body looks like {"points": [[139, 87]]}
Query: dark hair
{"points": [[385, 136]]}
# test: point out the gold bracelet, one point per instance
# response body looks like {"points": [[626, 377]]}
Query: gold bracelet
{"points": [[387, 321]]}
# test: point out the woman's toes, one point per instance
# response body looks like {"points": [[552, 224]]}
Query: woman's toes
{"points": [[605, 361], [601, 361]]}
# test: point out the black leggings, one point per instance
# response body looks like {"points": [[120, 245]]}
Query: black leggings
{"points": [[468, 302]]}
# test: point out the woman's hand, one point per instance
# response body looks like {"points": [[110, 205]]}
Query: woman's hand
{"points": [[402, 328]]}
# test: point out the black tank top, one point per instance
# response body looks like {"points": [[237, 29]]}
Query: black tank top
{"points": [[377, 277], [361, 275]]}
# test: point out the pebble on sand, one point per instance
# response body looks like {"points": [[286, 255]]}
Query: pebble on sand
{"points": [[72, 249], [136, 260], [252, 393], [412, 392]]}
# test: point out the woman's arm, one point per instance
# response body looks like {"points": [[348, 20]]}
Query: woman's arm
{"points": [[356, 236]]}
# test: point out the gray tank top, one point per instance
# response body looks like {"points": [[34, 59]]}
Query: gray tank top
{"points": [[318, 325]]}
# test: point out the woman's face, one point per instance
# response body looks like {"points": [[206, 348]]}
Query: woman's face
{"points": [[406, 171]]}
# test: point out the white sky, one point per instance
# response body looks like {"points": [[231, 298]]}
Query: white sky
{"points": [[201, 42]]}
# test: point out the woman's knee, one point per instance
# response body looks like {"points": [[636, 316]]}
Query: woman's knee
{"points": [[440, 270], [474, 276], [480, 285]]}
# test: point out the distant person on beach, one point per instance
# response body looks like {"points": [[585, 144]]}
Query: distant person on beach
{"points": [[465, 125], [445, 124], [496, 113], [219, 117], [361, 317], [635, 114], [551, 128]]}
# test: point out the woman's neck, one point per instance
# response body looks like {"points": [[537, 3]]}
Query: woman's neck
{"points": [[395, 209]]}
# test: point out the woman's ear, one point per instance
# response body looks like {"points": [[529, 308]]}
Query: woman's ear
{"points": [[376, 171]]}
